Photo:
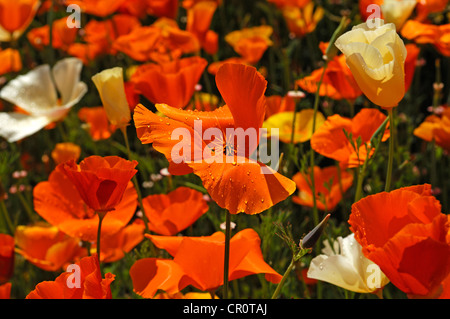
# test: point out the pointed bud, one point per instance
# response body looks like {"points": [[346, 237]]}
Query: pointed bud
{"points": [[311, 238]]}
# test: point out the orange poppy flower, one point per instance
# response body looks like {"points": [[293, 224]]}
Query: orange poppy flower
{"points": [[232, 179], [59, 203], [198, 261], [215, 66], [47, 247], [64, 152], [251, 43], [162, 8], [10, 61], [97, 122], [100, 181], [410, 241], [410, 63], [15, 17], [167, 214], [425, 7], [338, 81], [301, 21], [115, 246], [63, 36], [161, 41], [277, 104], [172, 82], [99, 36], [5, 291], [91, 283], [199, 17], [331, 141], [436, 128], [421, 33], [100, 8], [363, 4], [330, 186], [6, 257]]}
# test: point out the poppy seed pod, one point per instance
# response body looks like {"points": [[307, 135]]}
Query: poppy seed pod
{"points": [[376, 55], [313, 236]]}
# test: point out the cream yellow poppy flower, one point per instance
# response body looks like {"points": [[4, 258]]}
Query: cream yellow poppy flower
{"points": [[376, 56]]}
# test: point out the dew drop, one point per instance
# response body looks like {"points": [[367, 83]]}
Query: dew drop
{"points": [[321, 266], [262, 200]]}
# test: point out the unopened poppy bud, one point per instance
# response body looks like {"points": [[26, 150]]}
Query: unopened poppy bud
{"points": [[111, 87], [311, 238]]}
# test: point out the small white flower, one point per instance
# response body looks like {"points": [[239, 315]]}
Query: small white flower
{"points": [[37, 94], [345, 266]]}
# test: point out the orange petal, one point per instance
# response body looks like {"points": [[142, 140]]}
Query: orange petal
{"points": [[239, 185]]}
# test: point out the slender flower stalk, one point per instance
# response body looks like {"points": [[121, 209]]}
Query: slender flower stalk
{"points": [[226, 264], [387, 187]]}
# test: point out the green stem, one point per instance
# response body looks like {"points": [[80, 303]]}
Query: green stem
{"points": [[362, 171], [6, 216], [227, 255], [27, 207], [101, 215], [283, 280], [387, 187]]}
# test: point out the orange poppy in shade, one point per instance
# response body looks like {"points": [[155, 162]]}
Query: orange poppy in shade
{"points": [[59, 203], [172, 82], [99, 37], [91, 283], [47, 247], [425, 7], [15, 17], [331, 141], [435, 35], [162, 41], [6, 257], [64, 152], [169, 214], [97, 123], [198, 261], [114, 247], [100, 181], [410, 63], [10, 61], [162, 8], [338, 81], [330, 186], [63, 36], [100, 8], [232, 179], [302, 20], [251, 43], [409, 241], [199, 17], [436, 128], [5, 291]]}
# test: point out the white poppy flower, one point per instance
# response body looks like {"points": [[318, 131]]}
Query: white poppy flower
{"points": [[37, 94], [345, 266]]}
